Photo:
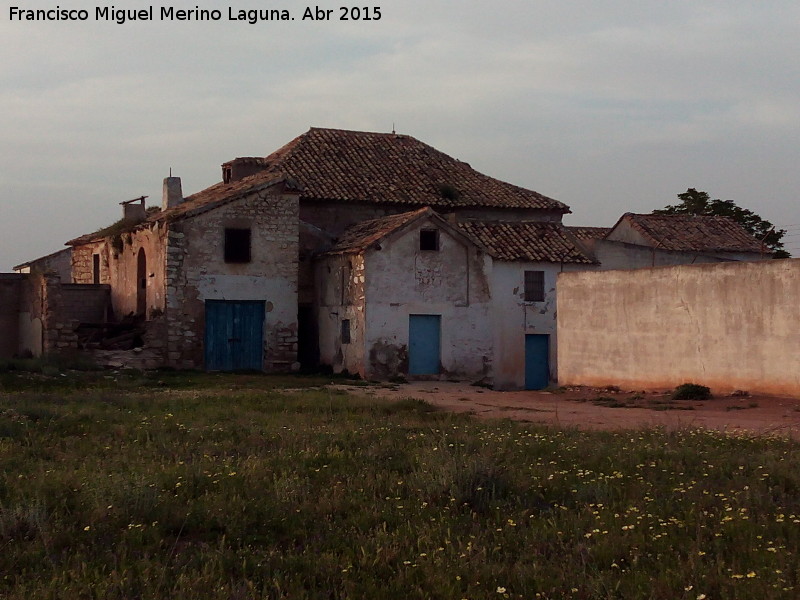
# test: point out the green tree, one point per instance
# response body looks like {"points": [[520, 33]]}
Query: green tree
{"points": [[693, 202]]}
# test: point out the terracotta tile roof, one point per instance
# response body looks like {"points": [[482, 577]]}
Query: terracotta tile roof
{"points": [[362, 235], [693, 233], [355, 166], [529, 241], [588, 233]]}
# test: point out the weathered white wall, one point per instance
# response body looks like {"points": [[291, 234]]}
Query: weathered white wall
{"points": [[453, 282], [728, 326], [513, 318]]}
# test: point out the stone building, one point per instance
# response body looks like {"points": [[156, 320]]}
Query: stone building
{"points": [[366, 252], [374, 238], [214, 274]]}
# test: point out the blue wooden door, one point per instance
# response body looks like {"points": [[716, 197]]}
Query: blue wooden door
{"points": [[234, 335], [537, 361], [424, 347]]}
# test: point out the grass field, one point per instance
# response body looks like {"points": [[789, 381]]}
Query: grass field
{"points": [[200, 486]]}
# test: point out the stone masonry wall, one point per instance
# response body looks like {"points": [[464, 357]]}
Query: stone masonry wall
{"points": [[57, 325], [196, 271]]}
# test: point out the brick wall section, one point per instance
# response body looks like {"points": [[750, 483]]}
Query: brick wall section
{"points": [[86, 303], [196, 272]]}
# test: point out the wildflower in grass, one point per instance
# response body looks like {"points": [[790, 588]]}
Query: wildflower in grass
{"points": [[501, 590]]}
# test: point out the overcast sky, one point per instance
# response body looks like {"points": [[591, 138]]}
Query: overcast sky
{"points": [[608, 106]]}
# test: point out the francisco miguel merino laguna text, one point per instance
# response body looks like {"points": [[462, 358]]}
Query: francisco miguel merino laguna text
{"points": [[170, 13]]}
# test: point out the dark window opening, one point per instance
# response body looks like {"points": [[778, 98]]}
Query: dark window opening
{"points": [[226, 175], [345, 331], [95, 268], [237, 245], [429, 239], [534, 286]]}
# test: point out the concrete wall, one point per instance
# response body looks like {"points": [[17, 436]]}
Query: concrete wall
{"points": [[453, 282], [513, 318], [728, 326], [624, 255], [196, 271], [10, 296]]}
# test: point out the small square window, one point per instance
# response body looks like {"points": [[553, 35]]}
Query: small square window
{"points": [[237, 245], [429, 239], [345, 331], [534, 286]]}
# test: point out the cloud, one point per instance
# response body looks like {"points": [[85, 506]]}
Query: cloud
{"points": [[600, 104]]}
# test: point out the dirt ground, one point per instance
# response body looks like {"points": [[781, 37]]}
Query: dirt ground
{"points": [[603, 408]]}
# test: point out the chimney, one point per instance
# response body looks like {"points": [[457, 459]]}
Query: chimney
{"points": [[133, 211], [242, 167], [173, 195]]}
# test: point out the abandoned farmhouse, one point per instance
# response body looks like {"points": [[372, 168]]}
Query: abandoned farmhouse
{"points": [[367, 252]]}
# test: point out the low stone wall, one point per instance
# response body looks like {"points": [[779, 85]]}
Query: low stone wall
{"points": [[726, 325]]}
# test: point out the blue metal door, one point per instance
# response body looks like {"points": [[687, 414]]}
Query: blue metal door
{"points": [[537, 361], [424, 332], [234, 335]]}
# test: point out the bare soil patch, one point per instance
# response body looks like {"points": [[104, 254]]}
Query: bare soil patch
{"points": [[603, 408]]}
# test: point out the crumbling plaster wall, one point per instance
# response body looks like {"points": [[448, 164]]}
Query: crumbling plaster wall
{"points": [[196, 271], [728, 326], [453, 282], [340, 283], [513, 318], [119, 258], [123, 271]]}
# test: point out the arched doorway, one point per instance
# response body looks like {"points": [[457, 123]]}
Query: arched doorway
{"points": [[141, 283]]}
